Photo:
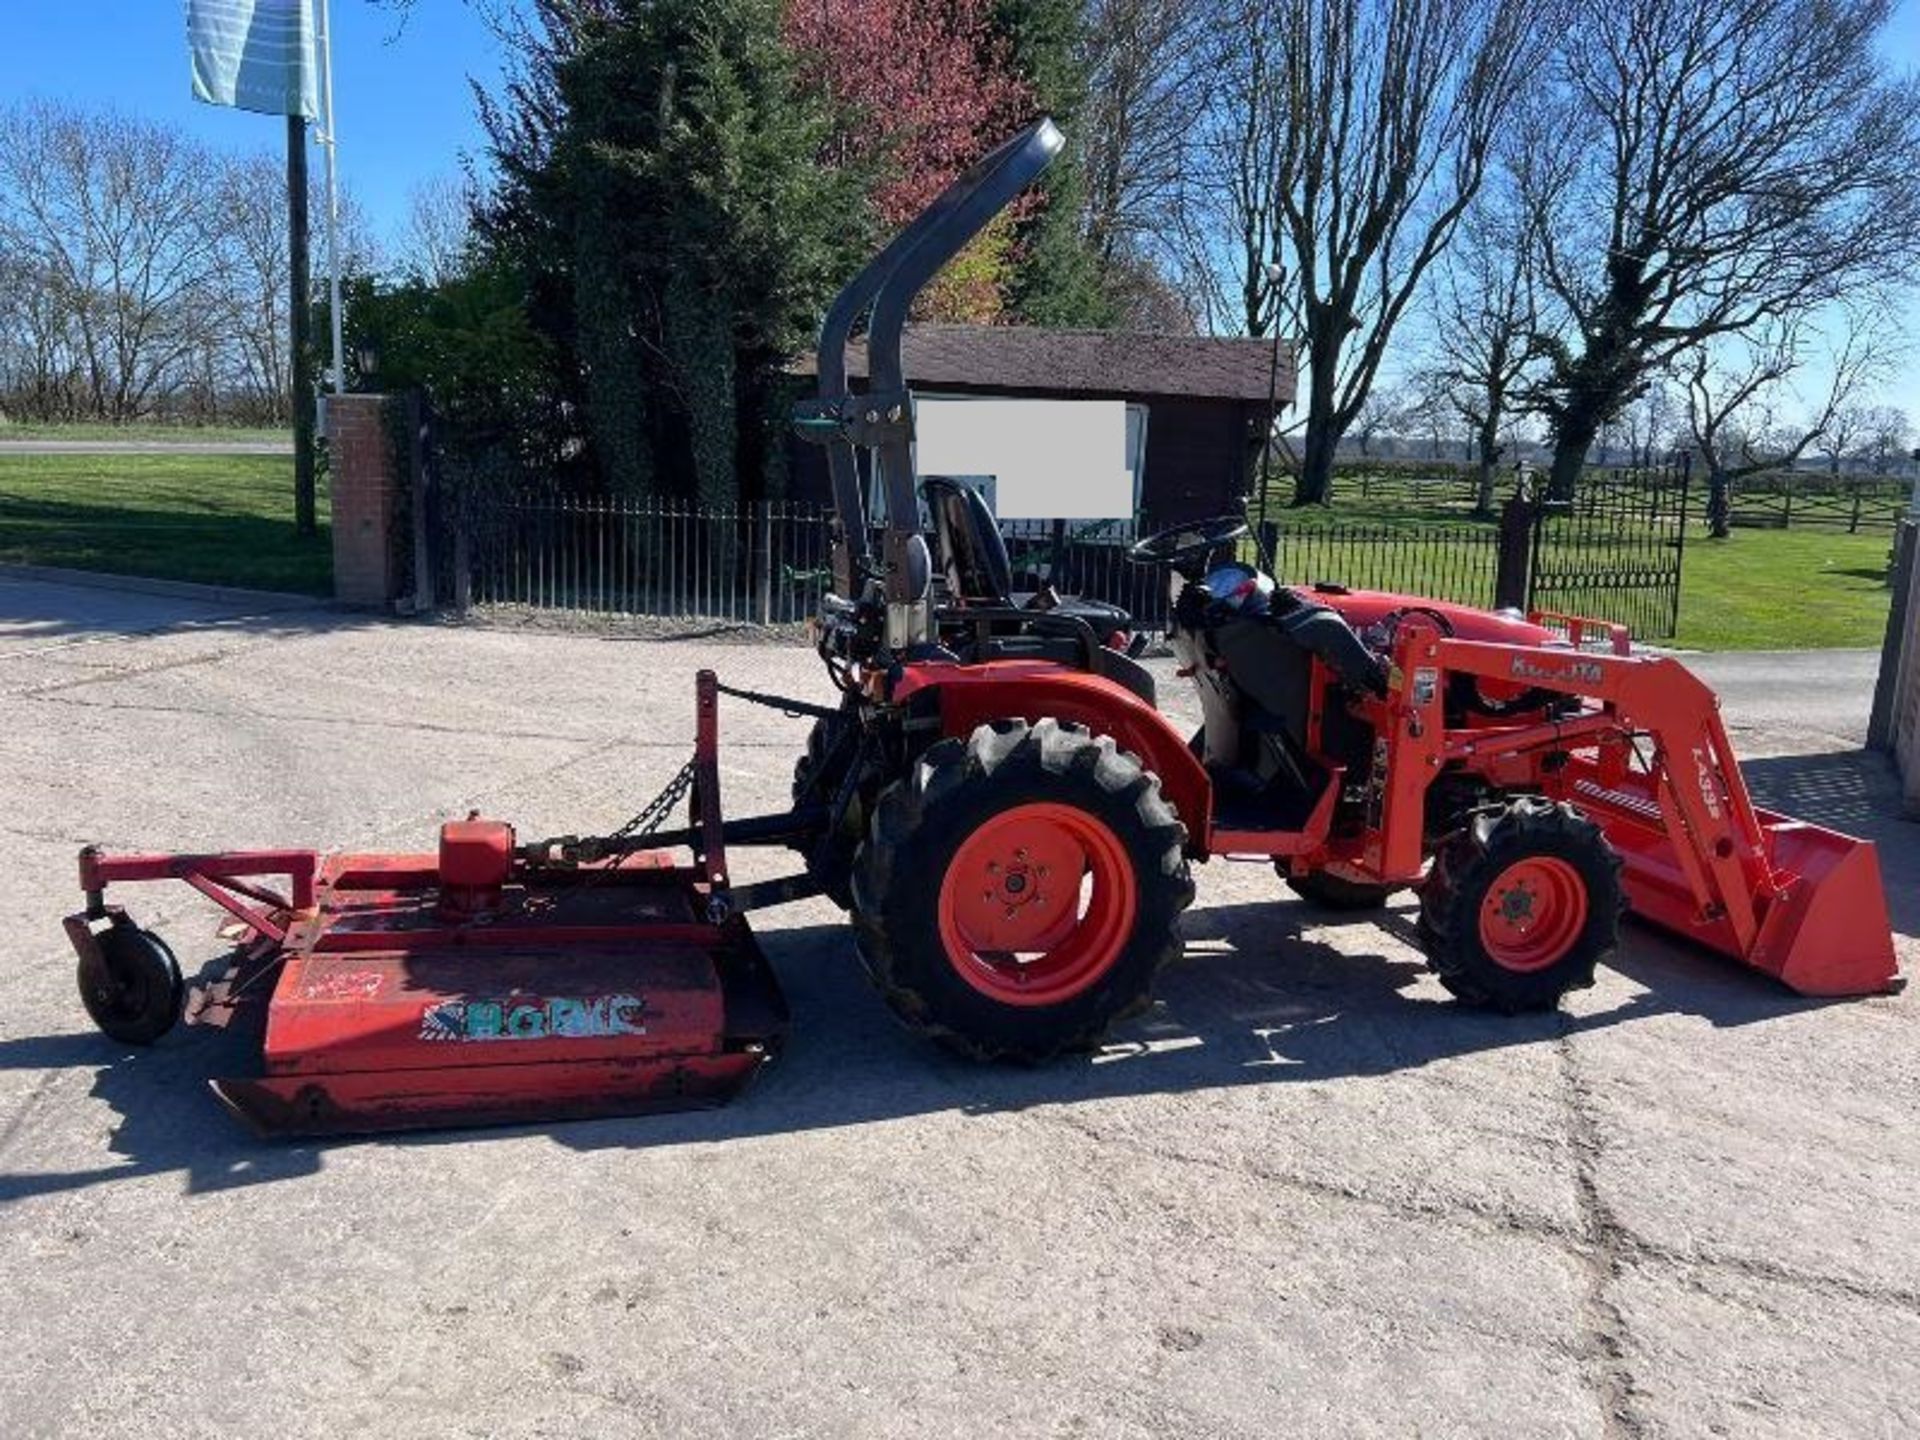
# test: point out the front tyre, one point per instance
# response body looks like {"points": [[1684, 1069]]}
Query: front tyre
{"points": [[1019, 890], [1520, 905]]}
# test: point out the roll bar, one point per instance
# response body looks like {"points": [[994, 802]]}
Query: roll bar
{"points": [[882, 420]]}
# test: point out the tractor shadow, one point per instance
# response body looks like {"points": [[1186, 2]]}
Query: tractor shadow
{"points": [[1258, 1000]]}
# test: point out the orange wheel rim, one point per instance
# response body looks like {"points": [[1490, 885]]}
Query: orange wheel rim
{"points": [[1037, 904], [1533, 913]]}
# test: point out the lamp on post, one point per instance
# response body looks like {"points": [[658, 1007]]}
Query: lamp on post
{"points": [[366, 360]]}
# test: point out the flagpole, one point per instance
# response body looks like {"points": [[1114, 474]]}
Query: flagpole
{"points": [[329, 140], [300, 324]]}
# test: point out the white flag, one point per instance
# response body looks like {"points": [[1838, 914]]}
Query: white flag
{"points": [[253, 54]]}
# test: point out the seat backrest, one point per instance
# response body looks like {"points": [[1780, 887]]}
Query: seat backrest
{"points": [[971, 553], [1270, 669]]}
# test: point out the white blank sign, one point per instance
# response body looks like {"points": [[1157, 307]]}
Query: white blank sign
{"points": [[1050, 459]]}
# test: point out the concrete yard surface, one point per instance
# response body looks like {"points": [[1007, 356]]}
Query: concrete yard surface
{"points": [[1305, 1195]]}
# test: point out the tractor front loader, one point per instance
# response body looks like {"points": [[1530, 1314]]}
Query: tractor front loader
{"points": [[1009, 817]]}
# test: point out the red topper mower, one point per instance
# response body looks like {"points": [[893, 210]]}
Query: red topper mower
{"points": [[1010, 819]]}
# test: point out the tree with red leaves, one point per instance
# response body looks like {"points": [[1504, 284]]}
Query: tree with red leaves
{"points": [[921, 90]]}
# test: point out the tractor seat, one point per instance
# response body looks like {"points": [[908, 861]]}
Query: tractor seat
{"points": [[1104, 618], [972, 555]]}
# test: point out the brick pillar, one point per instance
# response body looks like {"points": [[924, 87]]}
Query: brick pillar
{"points": [[369, 486]]}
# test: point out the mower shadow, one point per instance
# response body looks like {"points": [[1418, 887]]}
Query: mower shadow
{"points": [[1259, 1000], [166, 1119]]}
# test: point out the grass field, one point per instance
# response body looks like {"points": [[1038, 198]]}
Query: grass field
{"points": [[1759, 590], [229, 520], [181, 434], [223, 519], [1785, 590]]}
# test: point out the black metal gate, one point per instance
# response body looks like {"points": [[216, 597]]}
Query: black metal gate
{"points": [[1615, 550]]}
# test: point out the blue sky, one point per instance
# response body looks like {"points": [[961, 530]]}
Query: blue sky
{"points": [[406, 108]]}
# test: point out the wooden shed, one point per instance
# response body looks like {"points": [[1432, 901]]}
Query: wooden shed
{"points": [[1197, 405]]}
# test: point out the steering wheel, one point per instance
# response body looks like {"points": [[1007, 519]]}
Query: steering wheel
{"points": [[1189, 544]]}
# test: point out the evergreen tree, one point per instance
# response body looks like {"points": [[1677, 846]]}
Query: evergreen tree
{"points": [[658, 184], [1057, 281]]}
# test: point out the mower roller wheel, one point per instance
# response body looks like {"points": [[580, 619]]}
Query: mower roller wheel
{"points": [[1520, 905], [1020, 889], [1333, 892], [131, 984]]}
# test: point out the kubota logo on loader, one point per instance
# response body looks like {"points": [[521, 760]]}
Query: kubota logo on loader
{"points": [[1584, 672], [559, 1018]]}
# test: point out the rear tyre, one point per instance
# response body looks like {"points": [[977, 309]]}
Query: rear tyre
{"points": [[132, 987], [1331, 892], [1520, 905], [817, 777], [1019, 890]]}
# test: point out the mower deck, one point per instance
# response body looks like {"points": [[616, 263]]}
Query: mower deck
{"points": [[484, 984], [599, 993]]}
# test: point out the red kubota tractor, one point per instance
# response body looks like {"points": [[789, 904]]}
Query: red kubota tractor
{"points": [[1010, 819]]}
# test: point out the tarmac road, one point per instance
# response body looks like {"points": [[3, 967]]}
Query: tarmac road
{"points": [[1306, 1195]]}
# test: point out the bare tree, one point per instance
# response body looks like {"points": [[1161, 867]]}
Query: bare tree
{"points": [[110, 213], [1383, 411], [1884, 442], [1842, 434], [252, 283], [1487, 322], [1224, 229], [40, 376], [439, 228], [1146, 86], [1696, 170], [1641, 431], [1431, 408], [1345, 140], [1735, 388], [1145, 300]]}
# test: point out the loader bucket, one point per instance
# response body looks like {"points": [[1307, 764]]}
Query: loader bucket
{"points": [[1828, 931], [1823, 926]]}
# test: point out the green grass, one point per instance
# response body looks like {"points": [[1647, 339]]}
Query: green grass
{"points": [[181, 434], [216, 519], [1798, 589], [1785, 590]]}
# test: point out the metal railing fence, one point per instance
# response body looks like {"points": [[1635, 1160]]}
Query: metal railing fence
{"points": [[771, 562], [768, 563]]}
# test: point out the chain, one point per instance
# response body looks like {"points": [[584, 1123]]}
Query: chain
{"points": [[657, 809], [571, 851]]}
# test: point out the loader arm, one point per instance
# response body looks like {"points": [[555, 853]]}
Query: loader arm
{"points": [[1648, 757]]}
